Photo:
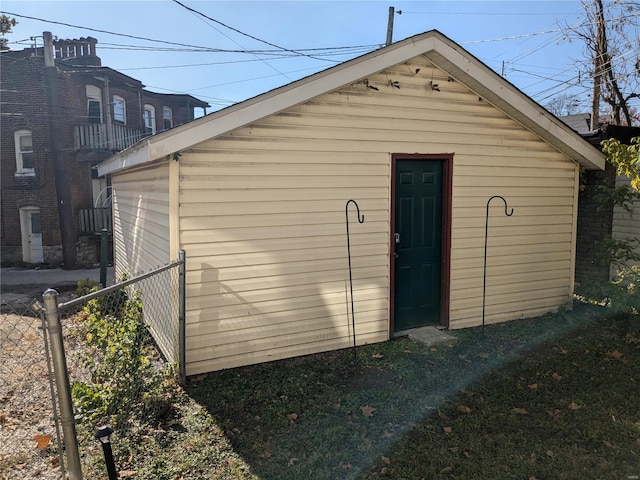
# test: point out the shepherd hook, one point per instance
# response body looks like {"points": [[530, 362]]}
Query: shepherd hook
{"points": [[486, 229], [360, 220]]}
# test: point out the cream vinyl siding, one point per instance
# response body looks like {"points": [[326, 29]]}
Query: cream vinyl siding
{"points": [[141, 218], [262, 218], [141, 243]]}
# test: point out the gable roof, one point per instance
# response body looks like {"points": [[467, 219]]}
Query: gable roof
{"points": [[433, 46]]}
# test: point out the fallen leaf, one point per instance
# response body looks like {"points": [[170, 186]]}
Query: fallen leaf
{"points": [[367, 411], [377, 355], [556, 376], [484, 355], [533, 386], [346, 466], [293, 416], [54, 461], [573, 406], [615, 354], [464, 409], [549, 453], [3, 419], [265, 455], [384, 470], [520, 411], [386, 460], [406, 351], [608, 443], [533, 478], [128, 473], [292, 461], [447, 429], [454, 449], [466, 454], [199, 378], [443, 416], [386, 434], [42, 441], [446, 470]]}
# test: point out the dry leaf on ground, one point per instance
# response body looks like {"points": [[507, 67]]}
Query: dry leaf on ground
{"points": [[377, 355], [386, 460], [367, 411], [293, 416], [520, 411], [464, 409], [573, 406], [42, 441]]}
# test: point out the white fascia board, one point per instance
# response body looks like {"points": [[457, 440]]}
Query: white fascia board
{"points": [[244, 113], [434, 46], [131, 157], [515, 103]]}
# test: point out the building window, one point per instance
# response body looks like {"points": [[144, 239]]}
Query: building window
{"points": [[119, 111], [94, 104], [167, 118], [149, 119], [25, 161]]}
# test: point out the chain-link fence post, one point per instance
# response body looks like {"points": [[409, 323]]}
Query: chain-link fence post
{"points": [[182, 356], [61, 373]]}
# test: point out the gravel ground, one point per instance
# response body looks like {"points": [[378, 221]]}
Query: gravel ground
{"points": [[28, 440]]}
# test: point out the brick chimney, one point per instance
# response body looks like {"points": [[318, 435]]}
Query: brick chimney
{"points": [[77, 52]]}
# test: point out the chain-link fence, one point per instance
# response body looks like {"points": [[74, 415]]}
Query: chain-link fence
{"points": [[116, 356], [29, 440]]}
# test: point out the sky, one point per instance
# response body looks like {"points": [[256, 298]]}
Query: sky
{"points": [[224, 52]]}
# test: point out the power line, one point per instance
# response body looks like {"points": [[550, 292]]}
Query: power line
{"points": [[249, 35]]}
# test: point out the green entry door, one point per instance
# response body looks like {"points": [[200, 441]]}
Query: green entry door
{"points": [[417, 236]]}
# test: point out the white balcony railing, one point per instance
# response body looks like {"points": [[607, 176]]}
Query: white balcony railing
{"points": [[94, 137]]}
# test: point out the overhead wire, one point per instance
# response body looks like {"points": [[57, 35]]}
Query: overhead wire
{"points": [[320, 52], [244, 33]]}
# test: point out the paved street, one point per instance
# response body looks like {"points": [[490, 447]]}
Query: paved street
{"points": [[16, 283]]}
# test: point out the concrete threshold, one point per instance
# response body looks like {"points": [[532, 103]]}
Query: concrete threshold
{"points": [[429, 335]]}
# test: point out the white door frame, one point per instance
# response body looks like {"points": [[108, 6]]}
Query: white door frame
{"points": [[32, 251]]}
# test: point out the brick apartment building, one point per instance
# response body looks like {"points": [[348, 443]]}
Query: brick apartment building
{"points": [[62, 113]]}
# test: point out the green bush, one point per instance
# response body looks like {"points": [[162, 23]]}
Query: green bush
{"points": [[124, 383]]}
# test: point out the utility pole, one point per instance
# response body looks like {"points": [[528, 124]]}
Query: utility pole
{"points": [[390, 26], [60, 173], [598, 61]]}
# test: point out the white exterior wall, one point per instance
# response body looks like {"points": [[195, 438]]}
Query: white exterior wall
{"points": [[262, 218], [141, 219], [142, 243]]}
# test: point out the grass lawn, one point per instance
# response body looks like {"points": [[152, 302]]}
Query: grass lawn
{"points": [[555, 397]]}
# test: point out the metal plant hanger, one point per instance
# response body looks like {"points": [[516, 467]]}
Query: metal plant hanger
{"points": [[360, 220], [486, 230]]}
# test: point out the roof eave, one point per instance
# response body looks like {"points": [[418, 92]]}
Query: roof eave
{"points": [[434, 46], [134, 156], [482, 80]]}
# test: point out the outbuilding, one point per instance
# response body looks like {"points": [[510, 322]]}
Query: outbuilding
{"points": [[420, 134]]}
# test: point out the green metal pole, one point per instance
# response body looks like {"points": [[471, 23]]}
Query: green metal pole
{"points": [[104, 244]]}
